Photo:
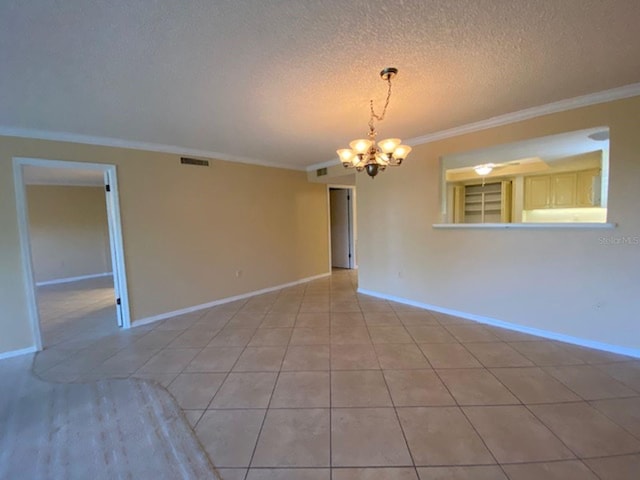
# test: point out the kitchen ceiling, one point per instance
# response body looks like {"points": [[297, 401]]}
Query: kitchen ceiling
{"points": [[287, 82]]}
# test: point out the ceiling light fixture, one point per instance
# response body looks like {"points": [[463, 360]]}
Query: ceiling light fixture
{"points": [[484, 169], [364, 154]]}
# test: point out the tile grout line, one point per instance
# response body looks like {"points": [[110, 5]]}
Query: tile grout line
{"points": [[193, 428], [330, 391], [226, 373], [590, 402], [516, 397], [273, 389], [577, 457], [393, 404], [460, 409], [582, 398], [583, 363]]}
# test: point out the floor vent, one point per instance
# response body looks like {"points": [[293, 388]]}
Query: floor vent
{"points": [[194, 161]]}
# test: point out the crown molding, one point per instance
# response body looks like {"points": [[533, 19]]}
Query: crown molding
{"points": [[555, 107], [533, 112], [134, 145], [618, 93]]}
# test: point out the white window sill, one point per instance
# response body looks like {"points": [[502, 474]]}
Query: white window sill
{"points": [[524, 225]]}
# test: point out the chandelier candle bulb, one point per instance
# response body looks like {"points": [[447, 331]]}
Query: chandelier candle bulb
{"points": [[361, 145], [389, 145], [401, 152], [365, 154], [346, 156]]}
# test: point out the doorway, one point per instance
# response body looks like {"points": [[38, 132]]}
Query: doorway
{"points": [[72, 251], [342, 227]]}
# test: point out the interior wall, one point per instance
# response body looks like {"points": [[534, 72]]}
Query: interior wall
{"points": [[577, 282], [69, 231], [191, 234]]}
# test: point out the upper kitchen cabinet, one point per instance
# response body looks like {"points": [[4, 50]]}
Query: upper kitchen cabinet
{"points": [[580, 189], [589, 193], [537, 191], [557, 179], [563, 190]]}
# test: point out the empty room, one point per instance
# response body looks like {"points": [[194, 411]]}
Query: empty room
{"points": [[320, 240]]}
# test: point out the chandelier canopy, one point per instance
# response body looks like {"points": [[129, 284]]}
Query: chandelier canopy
{"points": [[364, 154]]}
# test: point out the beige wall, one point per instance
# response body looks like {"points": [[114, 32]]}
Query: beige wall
{"points": [[186, 229], [336, 175], [68, 230], [565, 281]]}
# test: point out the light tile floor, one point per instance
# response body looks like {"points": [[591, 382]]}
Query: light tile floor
{"points": [[73, 312], [317, 382]]}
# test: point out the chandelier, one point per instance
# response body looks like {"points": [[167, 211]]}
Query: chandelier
{"points": [[364, 154]]}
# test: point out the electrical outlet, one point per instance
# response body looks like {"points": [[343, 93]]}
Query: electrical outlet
{"points": [[238, 273]]}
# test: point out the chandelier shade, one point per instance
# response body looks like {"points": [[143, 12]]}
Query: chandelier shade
{"points": [[389, 145], [364, 153], [361, 146]]}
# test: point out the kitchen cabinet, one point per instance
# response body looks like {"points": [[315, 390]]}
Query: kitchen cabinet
{"points": [[589, 188], [537, 192], [562, 190]]}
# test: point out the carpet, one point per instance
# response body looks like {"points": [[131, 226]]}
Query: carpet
{"points": [[110, 429]]}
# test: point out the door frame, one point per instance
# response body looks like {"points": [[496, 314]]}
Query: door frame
{"points": [[115, 237], [352, 227]]}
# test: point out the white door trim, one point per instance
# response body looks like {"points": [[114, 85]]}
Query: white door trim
{"points": [[353, 227], [115, 236], [117, 248]]}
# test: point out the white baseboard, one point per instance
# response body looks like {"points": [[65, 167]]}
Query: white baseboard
{"points": [[15, 353], [631, 352], [73, 279], [195, 308]]}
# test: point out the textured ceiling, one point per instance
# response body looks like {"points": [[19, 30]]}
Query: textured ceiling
{"points": [[289, 81]]}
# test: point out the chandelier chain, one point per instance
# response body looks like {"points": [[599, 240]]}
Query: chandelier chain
{"points": [[384, 110]]}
